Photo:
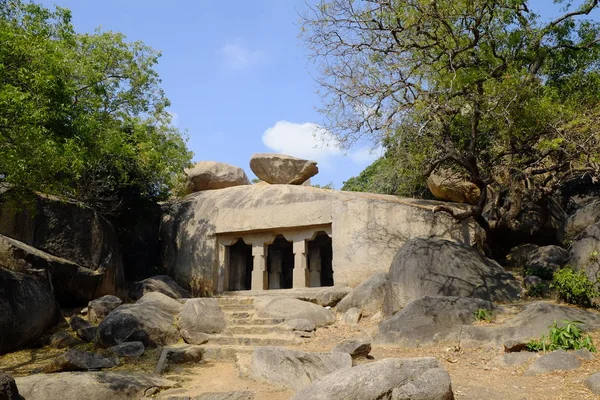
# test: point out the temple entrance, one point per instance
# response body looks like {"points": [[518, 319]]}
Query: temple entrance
{"points": [[320, 258], [240, 266], [280, 264]]}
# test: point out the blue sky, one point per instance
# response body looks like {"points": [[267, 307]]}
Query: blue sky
{"points": [[236, 73]]}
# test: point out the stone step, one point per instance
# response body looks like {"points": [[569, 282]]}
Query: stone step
{"points": [[237, 307], [256, 321], [224, 353], [257, 329], [253, 340], [234, 315], [226, 301]]}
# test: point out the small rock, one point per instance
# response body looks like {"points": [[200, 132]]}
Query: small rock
{"points": [[584, 354], [556, 361], [514, 346], [87, 334], [593, 383], [128, 350], [84, 311], [77, 323], [98, 309], [532, 280], [299, 324], [178, 355], [355, 347], [62, 340], [513, 359], [77, 360], [352, 316], [8, 388]]}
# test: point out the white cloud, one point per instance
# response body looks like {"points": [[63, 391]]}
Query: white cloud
{"points": [[237, 56], [310, 141]]}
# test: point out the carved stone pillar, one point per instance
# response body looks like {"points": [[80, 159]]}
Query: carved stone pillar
{"points": [[315, 267], [259, 270], [300, 267]]}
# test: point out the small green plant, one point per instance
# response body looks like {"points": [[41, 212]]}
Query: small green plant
{"points": [[483, 314], [539, 290], [566, 337], [574, 287]]}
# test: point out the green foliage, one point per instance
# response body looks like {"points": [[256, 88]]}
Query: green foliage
{"points": [[539, 290], [326, 186], [566, 337], [83, 115], [483, 314], [574, 287]]}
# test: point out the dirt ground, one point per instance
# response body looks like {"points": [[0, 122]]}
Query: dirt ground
{"points": [[472, 375]]}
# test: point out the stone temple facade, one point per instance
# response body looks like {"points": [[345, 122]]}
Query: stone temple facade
{"points": [[265, 237]]}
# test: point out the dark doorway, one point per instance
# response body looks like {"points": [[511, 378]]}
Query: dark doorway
{"points": [[320, 261], [240, 266], [280, 264]]}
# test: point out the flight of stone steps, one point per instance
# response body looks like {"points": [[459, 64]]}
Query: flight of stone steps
{"points": [[245, 331]]}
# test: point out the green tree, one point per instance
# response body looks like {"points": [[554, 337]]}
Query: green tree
{"points": [[83, 115], [483, 87]]}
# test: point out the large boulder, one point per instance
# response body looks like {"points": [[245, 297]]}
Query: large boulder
{"points": [[162, 301], [99, 308], [200, 317], [69, 230], [27, 309], [282, 169], [430, 320], [531, 323], [392, 378], [8, 388], [287, 308], [556, 361], [437, 267], [90, 386], [577, 222], [72, 283], [209, 175], [161, 283], [545, 260], [368, 296], [148, 323], [583, 255], [445, 185], [294, 369]]}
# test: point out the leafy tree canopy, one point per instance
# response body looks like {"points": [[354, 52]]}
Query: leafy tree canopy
{"points": [[484, 87], [82, 115]]}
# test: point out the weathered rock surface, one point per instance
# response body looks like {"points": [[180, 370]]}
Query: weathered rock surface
{"points": [[512, 359], [128, 349], [89, 386], [178, 355], [71, 231], [593, 383], [200, 317], [517, 256], [368, 296], [87, 334], [99, 309], [392, 378], [77, 360], [294, 369], [146, 323], [282, 169], [8, 388], [356, 347], [430, 320], [161, 283], [437, 267], [236, 395], [210, 175], [546, 259], [558, 360], [582, 250], [76, 323], [72, 283], [27, 310], [286, 308], [577, 222], [303, 325], [161, 301], [531, 323], [363, 245], [445, 185], [330, 296], [351, 317]]}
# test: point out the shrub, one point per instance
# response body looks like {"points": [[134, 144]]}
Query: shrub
{"points": [[567, 337], [482, 314], [539, 290], [574, 287]]}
